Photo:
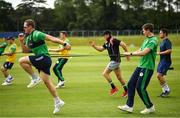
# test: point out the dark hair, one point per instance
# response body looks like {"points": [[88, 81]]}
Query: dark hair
{"points": [[107, 32], [148, 26], [10, 38], [30, 22], [64, 32], [165, 31]]}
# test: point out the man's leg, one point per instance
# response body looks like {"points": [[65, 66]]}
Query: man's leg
{"points": [[106, 73], [142, 83], [6, 74], [27, 66], [131, 92], [164, 85], [58, 102], [119, 77]]}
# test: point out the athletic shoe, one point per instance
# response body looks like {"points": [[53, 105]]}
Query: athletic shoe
{"points": [[148, 110], [34, 82], [60, 84], [113, 91], [124, 94], [57, 106], [164, 94], [126, 108], [7, 82]]}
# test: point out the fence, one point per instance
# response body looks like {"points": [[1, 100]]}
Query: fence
{"points": [[90, 33]]}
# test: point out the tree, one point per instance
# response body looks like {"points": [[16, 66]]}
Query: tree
{"points": [[64, 14], [6, 21]]}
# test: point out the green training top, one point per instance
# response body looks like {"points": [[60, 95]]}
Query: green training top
{"points": [[2, 47], [36, 42], [148, 60]]}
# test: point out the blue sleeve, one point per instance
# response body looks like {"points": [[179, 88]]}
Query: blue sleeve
{"points": [[168, 44]]}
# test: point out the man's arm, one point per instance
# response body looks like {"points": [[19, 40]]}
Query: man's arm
{"points": [[124, 46], [98, 48], [138, 53], [56, 40], [25, 49], [169, 51], [56, 50]]}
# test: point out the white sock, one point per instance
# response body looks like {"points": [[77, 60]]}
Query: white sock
{"points": [[56, 100], [9, 77], [34, 76], [165, 87]]}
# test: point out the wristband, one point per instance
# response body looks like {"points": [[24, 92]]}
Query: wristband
{"points": [[64, 44], [131, 53]]}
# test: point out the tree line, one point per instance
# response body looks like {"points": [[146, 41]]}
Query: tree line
{"points": [[91, 14]]}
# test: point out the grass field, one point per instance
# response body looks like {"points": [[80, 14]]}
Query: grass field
{"points": [[86, 91]]}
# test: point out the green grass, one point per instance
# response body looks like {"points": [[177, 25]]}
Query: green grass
{"points": [[86, 92]]}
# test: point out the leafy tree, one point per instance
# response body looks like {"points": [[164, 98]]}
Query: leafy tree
{"points": [[6, 21]]}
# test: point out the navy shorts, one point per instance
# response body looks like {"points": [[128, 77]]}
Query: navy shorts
{"points": [[163, 67], [8, 65], [41, 62]]}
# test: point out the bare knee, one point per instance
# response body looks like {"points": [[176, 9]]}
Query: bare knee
{"points": [[24, 60]]}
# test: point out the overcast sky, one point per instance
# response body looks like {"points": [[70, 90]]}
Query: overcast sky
{"points": [[50, 3]]}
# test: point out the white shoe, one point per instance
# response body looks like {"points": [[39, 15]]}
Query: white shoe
{"points": [[60, 84], [148, 110], [58, 106], [7, 82], [34, 82], [126, 108]]}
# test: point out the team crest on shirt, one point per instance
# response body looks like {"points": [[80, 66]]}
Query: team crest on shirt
{"points": [[141, 74]]}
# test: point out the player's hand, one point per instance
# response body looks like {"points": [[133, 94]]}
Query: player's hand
{"points": [[158, 53], [92, 43], [127, 53], [21, 37]]}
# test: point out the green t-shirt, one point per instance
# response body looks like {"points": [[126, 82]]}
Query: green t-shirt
{"points": [[2, 47], [148, 60], [36, 42]]}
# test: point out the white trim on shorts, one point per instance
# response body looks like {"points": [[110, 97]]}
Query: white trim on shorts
{"points": [[112, 65]]}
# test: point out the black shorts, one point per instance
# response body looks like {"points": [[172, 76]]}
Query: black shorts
{"points": [[41, 62], [8, 65]]}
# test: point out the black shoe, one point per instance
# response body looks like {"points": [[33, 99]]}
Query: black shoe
{"points": [[164, 94]]}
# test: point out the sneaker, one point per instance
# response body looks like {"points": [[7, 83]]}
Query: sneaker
{"points": [[60, 84], [126, 108], [164, 94], [7, 82], [113, 91], [34, 83], [124, 94], [148, 110], [57, 106]]}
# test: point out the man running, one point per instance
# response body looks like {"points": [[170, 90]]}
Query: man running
{"points": [[165, 61], [11, 58], [35, 42], [61, 61], [112, 46]]}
